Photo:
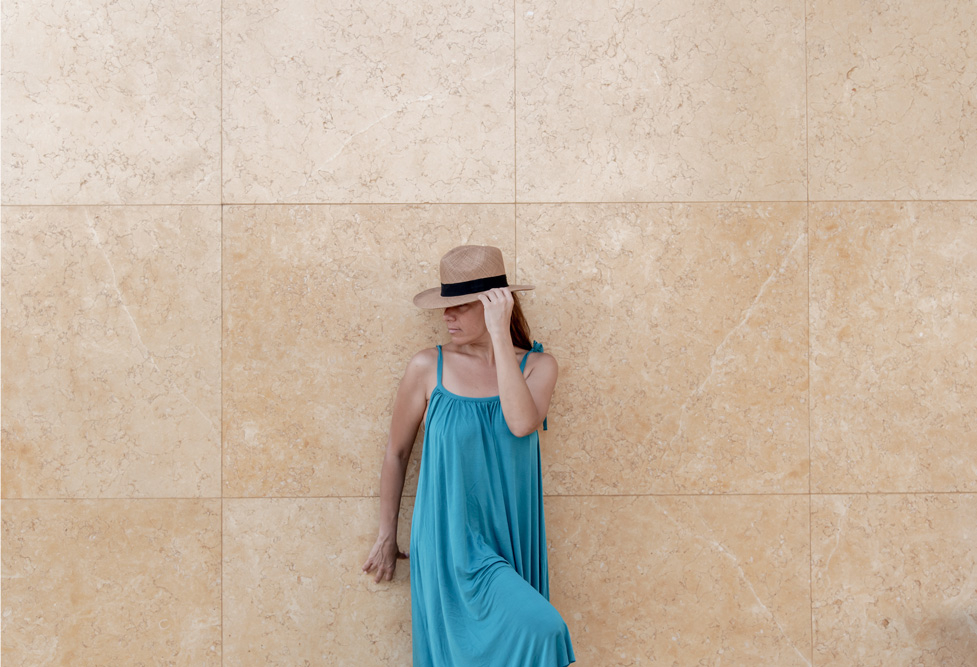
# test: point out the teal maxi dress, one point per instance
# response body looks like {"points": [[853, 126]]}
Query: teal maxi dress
{"points": [[478, 573]]}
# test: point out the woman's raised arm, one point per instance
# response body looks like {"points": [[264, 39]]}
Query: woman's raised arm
{"points": [[525, 400]]}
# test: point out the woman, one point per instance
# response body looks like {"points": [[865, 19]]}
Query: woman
{"points": [[479, 582]]}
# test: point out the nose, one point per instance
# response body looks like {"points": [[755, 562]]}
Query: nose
{"points": [[449, 313]]}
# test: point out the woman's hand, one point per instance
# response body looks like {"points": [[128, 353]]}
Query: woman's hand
{"points": [[497, 304], [383, 558]]}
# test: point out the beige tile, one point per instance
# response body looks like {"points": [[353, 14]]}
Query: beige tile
{"points": [[319, 327], [895, 580], [367, 101], [891, 101], [682, 336], [893, 325], [111, 351], [111, 582], [294, 591], [111, 104], [665, 101], [682, 581]]}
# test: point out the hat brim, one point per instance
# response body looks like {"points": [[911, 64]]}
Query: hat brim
{"points": [[431, 298]]}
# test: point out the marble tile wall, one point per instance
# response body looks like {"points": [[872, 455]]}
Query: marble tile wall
{"points": [[753, 225]]}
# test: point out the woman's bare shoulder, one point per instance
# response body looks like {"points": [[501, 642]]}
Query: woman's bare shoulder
{"points": [[423, 361], [543, 361], [421, 373]]}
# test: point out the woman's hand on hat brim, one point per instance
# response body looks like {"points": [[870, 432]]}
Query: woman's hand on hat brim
{"points": [[497, 304]]}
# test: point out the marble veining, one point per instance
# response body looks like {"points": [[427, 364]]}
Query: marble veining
{"points": [[111, 582], [111, 351], [319, 327], [682, 330], [310, 603], [664, 101], [753, 231], [893, 325], [368, 102], [709, 580], [104, 104], [891, 101], [895, 579]]}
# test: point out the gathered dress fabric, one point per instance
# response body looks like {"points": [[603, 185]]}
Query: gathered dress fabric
{"points": [[478, 571]]}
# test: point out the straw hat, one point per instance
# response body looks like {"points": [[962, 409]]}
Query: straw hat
{"points": [[466, 272]]}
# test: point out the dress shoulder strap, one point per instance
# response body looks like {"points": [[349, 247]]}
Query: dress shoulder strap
{"points": [[440, 365], [522, 367], [535, 348]]}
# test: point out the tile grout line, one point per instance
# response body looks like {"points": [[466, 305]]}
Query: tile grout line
{"points": [[515, 156], [810, 438], [810, 388], [515, 115], [220, 181], [810, 560], [773, 494], [662, 202], [807, 117]]}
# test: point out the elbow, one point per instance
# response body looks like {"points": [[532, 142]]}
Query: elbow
{"points": [[523, 422], [523, 430]]}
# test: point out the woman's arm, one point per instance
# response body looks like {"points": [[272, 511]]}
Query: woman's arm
{"points": [[525, 400], [409, 406]]}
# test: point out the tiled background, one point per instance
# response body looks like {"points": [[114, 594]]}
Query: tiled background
{"points": [[753, 224]]}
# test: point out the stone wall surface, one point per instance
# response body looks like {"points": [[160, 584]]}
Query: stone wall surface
{"points": [[752, 225]]}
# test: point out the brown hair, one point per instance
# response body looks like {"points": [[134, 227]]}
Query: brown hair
{"points": [[518, 327]]}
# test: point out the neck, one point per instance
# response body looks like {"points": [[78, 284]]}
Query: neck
{"points": [[481, 348]]}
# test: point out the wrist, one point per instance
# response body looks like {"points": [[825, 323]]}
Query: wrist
{"points": [[501, 337], [387, 536]]}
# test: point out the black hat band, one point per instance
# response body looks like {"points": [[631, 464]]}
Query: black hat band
{"points": [[473, 286]]}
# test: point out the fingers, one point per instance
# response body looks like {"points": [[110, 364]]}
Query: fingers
{"points": [[497, 300], [386, 573], [383, 572], [497, 294], [374, 560]]}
